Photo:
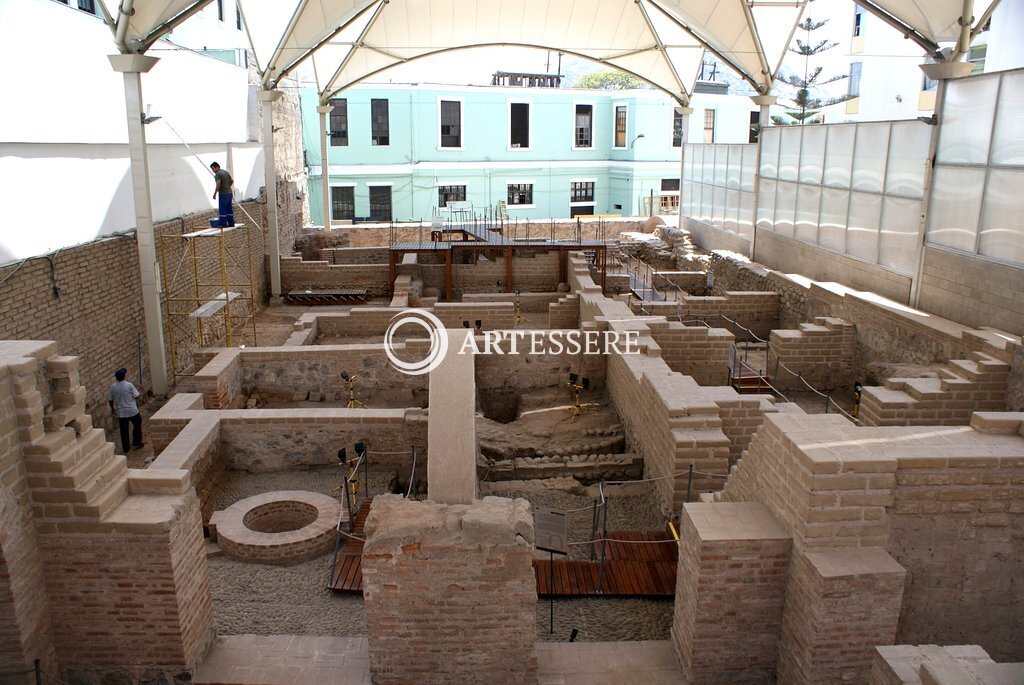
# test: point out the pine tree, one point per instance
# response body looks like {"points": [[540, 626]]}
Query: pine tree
{"points": [[805, 103]]}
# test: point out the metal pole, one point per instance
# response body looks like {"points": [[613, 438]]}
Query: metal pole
{"points": [[689, 483], [551, 589], [132, 67], [39, 673]]}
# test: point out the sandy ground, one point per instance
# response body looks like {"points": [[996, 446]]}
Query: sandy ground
{"points": [[260, 599]]}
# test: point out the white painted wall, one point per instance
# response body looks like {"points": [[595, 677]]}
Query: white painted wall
{"points": [[1005, 47], [63, 138]]}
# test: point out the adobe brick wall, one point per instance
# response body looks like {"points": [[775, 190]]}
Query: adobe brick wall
{"points": [[298, 274], [884, 333], [695, 351], [822, 353], [122, 549], [565, 313], [912, 665], [754, 310], [528, 302], [355, 255], [449, 591], [840, 604], [531, 272], [976, 292], [730, 587], [25, 629], [946, 502]]}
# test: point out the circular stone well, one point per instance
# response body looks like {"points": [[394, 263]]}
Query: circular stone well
{"points": [[282, 527]]}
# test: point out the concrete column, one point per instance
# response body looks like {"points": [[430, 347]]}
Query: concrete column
{"points": [[451, 431], [132, 67], [267, 99], [325, 164], [684, 134], [764, 121]]}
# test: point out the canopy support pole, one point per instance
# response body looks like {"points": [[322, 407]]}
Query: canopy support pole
{"points": [[132, 66], [684, 136], [325, 165], [267, 98], [763, 121]]}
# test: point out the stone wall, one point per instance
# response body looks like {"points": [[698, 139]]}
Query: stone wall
{"points": [[913, 665], [297, 274], [820, 353], [531, 272], [449, 591], [528, 302], [354, 255]]}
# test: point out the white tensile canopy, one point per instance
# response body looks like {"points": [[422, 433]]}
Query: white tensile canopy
{"points": [[661, 41]]}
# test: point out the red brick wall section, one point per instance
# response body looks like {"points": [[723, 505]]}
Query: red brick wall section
{"points": [[729, 593], [135, 603], [449, 592], [840, 604]]}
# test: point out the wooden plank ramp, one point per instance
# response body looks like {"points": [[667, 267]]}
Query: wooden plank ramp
{"points": [[638, 564], [348, 571]]}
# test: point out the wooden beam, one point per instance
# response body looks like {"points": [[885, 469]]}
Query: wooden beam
{"points": [[392, 270], [508, 268], [448, 276]]}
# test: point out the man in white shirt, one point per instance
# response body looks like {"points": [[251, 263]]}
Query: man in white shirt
{"points": [[122, 396]]}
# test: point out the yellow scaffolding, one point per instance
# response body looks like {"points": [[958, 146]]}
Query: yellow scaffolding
{"points": [[220, 304]]}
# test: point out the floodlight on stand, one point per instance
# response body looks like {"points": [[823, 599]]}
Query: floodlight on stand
{"points": [[573, 378], [342, 455], [465, 324], [361, 447], [479, 324], [586, 383], [344, 375]]}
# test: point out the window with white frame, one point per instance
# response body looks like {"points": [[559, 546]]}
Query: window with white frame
{"points": [[620, 126], [446, 194], [451, 123], [520, 194], [583, 126], [519, 125]]}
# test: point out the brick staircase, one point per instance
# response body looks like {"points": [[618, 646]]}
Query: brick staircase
{"points": [[72, 470], [964, 386]]}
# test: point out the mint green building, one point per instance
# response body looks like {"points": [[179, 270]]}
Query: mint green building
{"points": [[403, 152]]}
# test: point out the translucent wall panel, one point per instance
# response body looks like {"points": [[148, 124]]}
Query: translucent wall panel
{"points": [[718, 215], [746, 223], [707, 203], [862, 232], [735, 167], [785, 208], [766, 204], [839, 155], [955, 208], [732, 206], [834, 205], [721, 163], [1008, 140], [789, 153], [908, 158], [1002, 227], [812, 154], [770, 138], [898, 240], [869, 157], [967, 120], [808, 201], [749, 162]]}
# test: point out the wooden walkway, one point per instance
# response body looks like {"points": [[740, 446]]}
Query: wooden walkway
{"points": [[348, 571], [637, 565]]}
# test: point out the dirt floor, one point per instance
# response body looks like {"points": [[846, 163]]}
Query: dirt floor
{"points": [[265, 600]]}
